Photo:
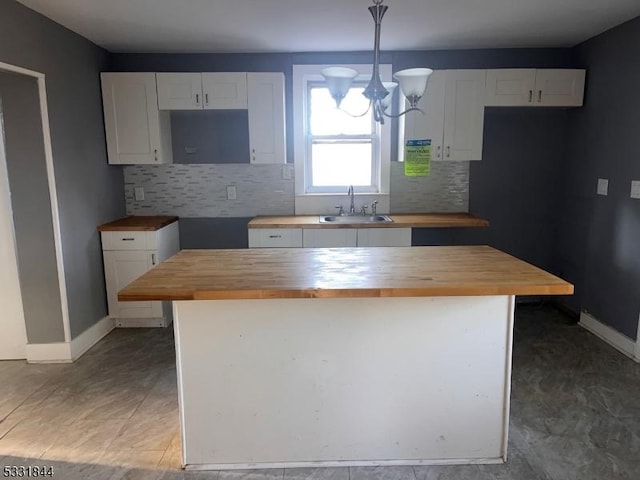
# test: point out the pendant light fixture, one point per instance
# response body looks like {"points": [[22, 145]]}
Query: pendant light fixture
{"points": [[413, 82]]}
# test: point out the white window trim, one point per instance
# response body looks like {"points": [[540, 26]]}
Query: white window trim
{"points": [[311, 203]]}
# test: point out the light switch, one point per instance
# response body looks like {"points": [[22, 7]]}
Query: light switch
{"points": [[138, 193], [635, 189], [231, 192], [603, 186]]}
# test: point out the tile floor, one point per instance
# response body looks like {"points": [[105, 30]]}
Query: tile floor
{"points": [[113, 414]]}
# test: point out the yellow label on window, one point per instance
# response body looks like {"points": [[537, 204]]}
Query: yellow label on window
{"points": [[417, 158]]}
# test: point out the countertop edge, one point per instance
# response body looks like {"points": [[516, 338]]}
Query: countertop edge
{"points": [[153, 223], [437, 220], [445, 291]]}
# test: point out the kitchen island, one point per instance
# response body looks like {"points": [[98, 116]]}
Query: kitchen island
{"points": [[351, 356]]}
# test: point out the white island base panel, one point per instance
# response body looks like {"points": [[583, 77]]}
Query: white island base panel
{"points": [[344, 381]]}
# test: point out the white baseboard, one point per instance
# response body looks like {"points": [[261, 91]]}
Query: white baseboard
{"points": [[91, 336], [141, 322], [68, 352], [49, 352], [617, 340]]}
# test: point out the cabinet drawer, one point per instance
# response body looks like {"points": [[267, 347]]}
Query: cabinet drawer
{"points": [[275, 237], [124, 240]]}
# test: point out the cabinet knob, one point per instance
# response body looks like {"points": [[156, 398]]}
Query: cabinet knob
{"points": [[438, 151], [448, 151]]}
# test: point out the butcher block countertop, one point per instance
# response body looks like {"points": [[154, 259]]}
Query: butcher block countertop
{"points": [[137, 224], [401, 220], [342, 273]]}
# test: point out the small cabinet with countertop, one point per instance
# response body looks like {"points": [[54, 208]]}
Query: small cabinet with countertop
{"points": [[131, 246]]}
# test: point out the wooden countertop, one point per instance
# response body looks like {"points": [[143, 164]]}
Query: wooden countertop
{"points": [[137, 224], [342, 272], [401, 220]]}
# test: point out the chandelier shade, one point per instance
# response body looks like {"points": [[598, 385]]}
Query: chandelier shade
{"points": [[413, 81]]}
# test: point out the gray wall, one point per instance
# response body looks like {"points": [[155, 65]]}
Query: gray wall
{"points": [[210, 136], [31, 207], [599, 240], [89, 191], [517, 186]]}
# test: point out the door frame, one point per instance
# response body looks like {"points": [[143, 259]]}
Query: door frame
{"points": [[53, 196]]}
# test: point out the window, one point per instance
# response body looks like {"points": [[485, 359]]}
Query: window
{"points": [[341, 150], [333, 150]]}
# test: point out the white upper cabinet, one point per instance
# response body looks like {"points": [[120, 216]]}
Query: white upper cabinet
{"points": [[559, 88], [179, 91], [535, 87], [510, 87], [137, 132], [464, 114], [265, 94], [454, 115], [198, 91], [225, 91], [430, 125]]}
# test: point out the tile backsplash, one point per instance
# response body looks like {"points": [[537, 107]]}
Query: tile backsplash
{"points": [[200, 190], [444, 190]]}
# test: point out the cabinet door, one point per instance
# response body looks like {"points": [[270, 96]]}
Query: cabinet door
{"points": [[464, 114], [179, 91], [510, 87], [336, 237], [265, 95], [132, 120], [224, 91], [559, 88], [429, 126], [384, 237], [121, 268]]}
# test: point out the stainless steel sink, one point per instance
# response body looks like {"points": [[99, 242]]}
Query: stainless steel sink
{"points": [[351, 219]]}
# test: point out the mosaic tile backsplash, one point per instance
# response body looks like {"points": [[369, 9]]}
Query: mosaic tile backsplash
{"points": [[200, 190], [444, 190]]}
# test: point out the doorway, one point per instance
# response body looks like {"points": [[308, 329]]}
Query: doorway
{"points": [[33, 300], [13, 340]]}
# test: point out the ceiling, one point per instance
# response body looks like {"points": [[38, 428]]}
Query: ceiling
{"points": [[332, 25]]}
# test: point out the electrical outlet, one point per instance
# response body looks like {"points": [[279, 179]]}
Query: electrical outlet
{"points": [[287, 172], [138, 193], [603, 186], [635, 189], [231, 192]]}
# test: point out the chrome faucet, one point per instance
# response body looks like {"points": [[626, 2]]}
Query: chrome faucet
{"points": [[352, 206]]}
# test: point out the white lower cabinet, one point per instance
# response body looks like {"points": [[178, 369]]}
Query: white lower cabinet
{"points": [[275, 237], [384, 237], [329, 237], [334, 237], [127, 255]]}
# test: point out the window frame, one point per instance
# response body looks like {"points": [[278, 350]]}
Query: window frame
{"points": [[304, 77], [373, 137]]}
